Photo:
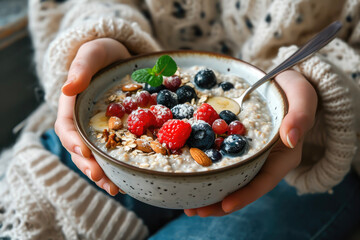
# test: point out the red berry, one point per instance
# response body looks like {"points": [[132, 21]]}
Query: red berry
{"points": [[162, 114], [206, 113], [174, 133], [236, 127], [140, 120], [153, 99], [130, 104], [115, 109], [219, 126], [172, 83], [218, 142], [143, 98]]}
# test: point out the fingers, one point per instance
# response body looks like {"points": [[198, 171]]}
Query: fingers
{"points": [[280, 161], [302, 101], [214, 210], [65, 129], [91, 57]]}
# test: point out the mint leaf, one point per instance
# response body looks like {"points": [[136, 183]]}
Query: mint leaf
{"points": [[142, 75], [155, 81], [165, 66]]}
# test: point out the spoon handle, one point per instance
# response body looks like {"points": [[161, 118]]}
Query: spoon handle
{"points": [[316, 43]]}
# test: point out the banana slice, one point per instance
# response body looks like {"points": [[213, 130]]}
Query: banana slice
{"points": [[223, 103], [99, 122]]}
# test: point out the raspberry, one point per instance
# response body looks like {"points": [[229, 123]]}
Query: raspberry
{"points": [[174, 133], [140, 120], [206, 113], [162, 114]]}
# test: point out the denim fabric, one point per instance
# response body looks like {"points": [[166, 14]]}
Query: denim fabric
{"points": [[153, 217], [280, 214]]}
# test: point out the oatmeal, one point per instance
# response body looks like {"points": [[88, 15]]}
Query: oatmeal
{"points": [[175, 127]]}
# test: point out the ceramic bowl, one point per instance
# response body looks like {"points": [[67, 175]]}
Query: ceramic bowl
{"points": [[179, 190]]}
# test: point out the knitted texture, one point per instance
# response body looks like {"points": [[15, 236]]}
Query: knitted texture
{"points": [[252, 30], [338, 133], [45, 198]]}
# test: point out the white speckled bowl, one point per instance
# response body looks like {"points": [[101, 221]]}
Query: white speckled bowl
{"points": [[179, 190]]}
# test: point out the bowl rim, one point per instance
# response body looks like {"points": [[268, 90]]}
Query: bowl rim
{"points": [[112, 66]]}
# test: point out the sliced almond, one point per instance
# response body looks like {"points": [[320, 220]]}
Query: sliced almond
{"points": [[200, 157], [132, 87], [158, 147], [115, 123], [143, 145]]}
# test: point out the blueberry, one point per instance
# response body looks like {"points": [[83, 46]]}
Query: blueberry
{"points": [[234, 145], [182, 111], [226, 86], [152, 89], [186, 94], [167, 98], [205, 79], [228, 116], [202, 136], [214, 155]]}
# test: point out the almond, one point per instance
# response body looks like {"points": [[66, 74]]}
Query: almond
{"points": [[131, 87], [143, 145], [115, 123], [158, 147], [200, 157]]}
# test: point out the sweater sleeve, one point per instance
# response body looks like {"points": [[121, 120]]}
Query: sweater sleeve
{"points": [[331, 146], [59, 29]]}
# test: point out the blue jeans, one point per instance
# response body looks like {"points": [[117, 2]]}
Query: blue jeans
{"points": [[280, 214]]}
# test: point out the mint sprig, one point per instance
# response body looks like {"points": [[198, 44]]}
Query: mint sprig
{"points": [[165, 66]]}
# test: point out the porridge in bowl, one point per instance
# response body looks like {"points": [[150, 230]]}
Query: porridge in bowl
{"points": [[179, 126]]}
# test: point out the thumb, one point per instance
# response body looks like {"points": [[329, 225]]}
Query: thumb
{"points": [[302, 101], [90, 58]]}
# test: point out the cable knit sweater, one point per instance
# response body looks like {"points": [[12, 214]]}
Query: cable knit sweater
{"points": [[44, 198]]}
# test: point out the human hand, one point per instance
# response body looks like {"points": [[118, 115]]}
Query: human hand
{"points": [[90, 58], [286, 154]]}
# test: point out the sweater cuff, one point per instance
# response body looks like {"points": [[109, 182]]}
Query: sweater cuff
{"points": [[334, 132], [63, 49]]}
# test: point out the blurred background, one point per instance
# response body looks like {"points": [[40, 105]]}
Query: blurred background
{"points": [[19, 89]]}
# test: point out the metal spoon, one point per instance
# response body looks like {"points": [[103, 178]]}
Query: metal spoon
{"points": [[312, 46]]}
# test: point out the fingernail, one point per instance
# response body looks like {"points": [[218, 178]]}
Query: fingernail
{"points": [[88, 173], [77, 150], [121, 191], [68, 82], [292, 137], [106, 186]]}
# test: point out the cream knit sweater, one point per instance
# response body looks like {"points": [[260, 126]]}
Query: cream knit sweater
{"points": [[43, 198]]}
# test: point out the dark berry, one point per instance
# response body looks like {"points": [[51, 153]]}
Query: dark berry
{"points": [[167, 98], [217, 143], [172, 83], [214, 155], [202, 136], [182, 111], [228, 116], [152, 89], [205, 79], [185, 94], [115, 109], [226, 86], [236, 127], [234, 145]]}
